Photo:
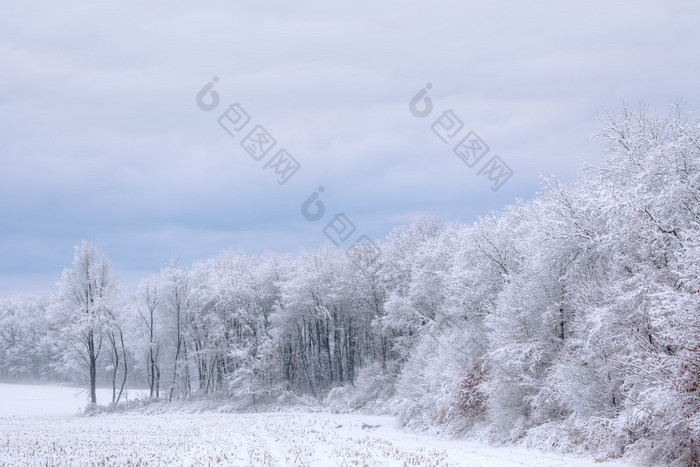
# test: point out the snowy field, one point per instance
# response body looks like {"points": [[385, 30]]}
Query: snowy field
{"points": [[231, 439], [25, 400]]}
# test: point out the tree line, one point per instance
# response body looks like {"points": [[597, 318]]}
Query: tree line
{"points": [[569, 322]]}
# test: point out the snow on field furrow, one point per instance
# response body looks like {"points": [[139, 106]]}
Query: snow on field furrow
{"points": [[243, 439]]}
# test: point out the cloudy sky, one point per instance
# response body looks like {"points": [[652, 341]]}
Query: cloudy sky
{"points": [[101, 137]]}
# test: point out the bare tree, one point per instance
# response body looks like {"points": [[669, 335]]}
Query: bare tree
{"points": [[149, 298]]}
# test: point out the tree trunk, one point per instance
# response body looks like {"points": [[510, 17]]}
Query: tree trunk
{"points": [[115, 366], [152, 361], [157, 382], [93, 367], [126, 368]]}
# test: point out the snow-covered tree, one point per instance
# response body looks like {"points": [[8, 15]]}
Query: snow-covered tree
{"points": [[81, 314]]}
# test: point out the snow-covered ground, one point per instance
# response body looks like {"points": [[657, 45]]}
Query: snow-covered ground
{"points": [[26, 400], [240, 439]]}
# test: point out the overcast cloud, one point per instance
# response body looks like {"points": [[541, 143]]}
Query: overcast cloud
{"points": [[101, 139]]}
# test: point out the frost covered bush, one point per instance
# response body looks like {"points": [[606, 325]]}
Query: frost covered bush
{"points": [[431, 391], [372, 390], [471, 399]]}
